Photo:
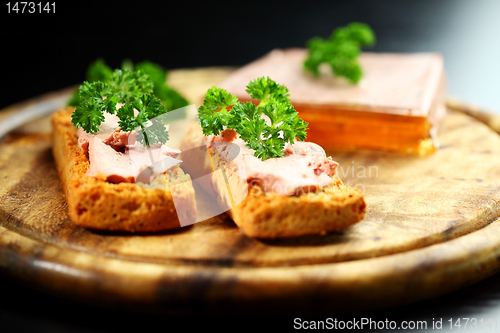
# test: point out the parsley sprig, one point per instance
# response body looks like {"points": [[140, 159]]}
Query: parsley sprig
{"points": [[171, 98], [132, 89], [341, 51], [149, 109], [213, 114], [268, 140]]}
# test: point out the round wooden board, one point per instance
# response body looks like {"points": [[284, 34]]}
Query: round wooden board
{"points": [[431, 228]]}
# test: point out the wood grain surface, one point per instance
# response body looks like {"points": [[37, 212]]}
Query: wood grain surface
{"points": [[430, 229]]}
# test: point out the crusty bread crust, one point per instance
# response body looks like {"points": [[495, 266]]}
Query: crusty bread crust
{"points": [[97, 204], [262, 215]]}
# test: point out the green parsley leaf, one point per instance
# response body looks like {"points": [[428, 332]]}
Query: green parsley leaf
{"points": [[128, 65], [213, 114], [248, 119], [134, 90], [170, 97], [265, 90], [97, 92], [128, 86], [341, 51], [88, 116], [122, 87], [149, 109], [74, 99], [156, 73], [99, 71]]}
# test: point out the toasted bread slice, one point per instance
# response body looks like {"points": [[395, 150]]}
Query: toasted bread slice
{"points": [[97, 204], [268, 215]]}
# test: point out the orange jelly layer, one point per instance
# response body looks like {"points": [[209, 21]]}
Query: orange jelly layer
{"points": [[347, 130]]}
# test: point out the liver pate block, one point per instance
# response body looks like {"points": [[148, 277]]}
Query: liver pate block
{"points": [[397, 106]]}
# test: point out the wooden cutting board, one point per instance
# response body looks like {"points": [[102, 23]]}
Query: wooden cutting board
{"points": [[431, 227]]}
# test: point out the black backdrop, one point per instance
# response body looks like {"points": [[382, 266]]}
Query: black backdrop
{"points": [[45, 52]]}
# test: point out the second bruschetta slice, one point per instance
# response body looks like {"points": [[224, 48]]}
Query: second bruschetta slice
{"points": [[284, 190]]}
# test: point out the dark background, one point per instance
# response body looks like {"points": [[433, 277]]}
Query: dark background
{"points": [[47, 52]]}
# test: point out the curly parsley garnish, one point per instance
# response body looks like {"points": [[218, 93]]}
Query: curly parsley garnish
{"points": [[132, 89], [341, 51], [268, 140], [149, 109], [99, 71]]}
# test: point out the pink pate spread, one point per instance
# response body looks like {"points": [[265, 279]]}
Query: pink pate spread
{"points": [[118, 156], [303, 168]]}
